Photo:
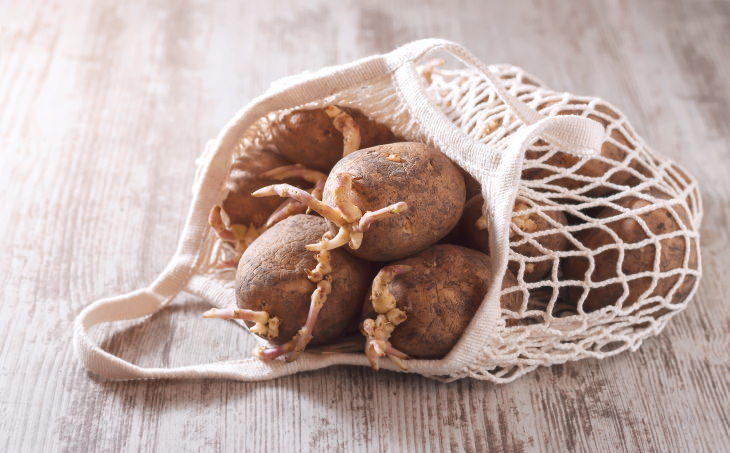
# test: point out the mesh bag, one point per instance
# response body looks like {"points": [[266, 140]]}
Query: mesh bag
{"points": [[600, 231]]}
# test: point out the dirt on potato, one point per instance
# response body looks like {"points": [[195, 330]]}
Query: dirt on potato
{"points": [[309, 137], [417, 174], [636, 260], [272, 276], [440, 295]]}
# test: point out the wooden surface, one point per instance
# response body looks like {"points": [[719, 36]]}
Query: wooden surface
{"points": [[103, 108]]}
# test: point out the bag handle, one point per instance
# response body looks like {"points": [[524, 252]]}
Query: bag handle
{"points": [[568, 137]]}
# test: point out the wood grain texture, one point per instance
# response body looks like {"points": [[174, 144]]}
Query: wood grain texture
{"points": [[103, 108]]}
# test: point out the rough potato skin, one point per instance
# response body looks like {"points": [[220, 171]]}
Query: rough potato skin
{"points": [[468, 234], [592, 167], [418, 174], [440, 296], [272, 276], [659, 221], [241, 207], [309, 137]]}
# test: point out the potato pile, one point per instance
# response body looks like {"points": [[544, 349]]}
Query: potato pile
{"points": [[339, 226]]}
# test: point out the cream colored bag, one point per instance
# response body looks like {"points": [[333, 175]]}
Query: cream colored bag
{"points": [[485, 119]]}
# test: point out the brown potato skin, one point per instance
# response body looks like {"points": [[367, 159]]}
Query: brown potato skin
{"points": [[468, 234], [472, 185], [682, 179], [440, 296], [629, 231], [308, 137], [592, 167], [239, 205], [425, 179], [272, 276]]}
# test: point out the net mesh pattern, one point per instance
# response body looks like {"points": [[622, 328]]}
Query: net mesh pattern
{"points": [[605, 250]]}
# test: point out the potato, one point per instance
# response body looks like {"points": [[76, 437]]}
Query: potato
{"points": [[467, 232], [309, 137], [414, 173], [470, 234], [676, 176], [272, 277], [659, 221], [239, 205], [439, 294], [472, 185], [592, 167]]}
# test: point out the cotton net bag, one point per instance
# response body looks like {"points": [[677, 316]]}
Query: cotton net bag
{"points": [[626, 217]]}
